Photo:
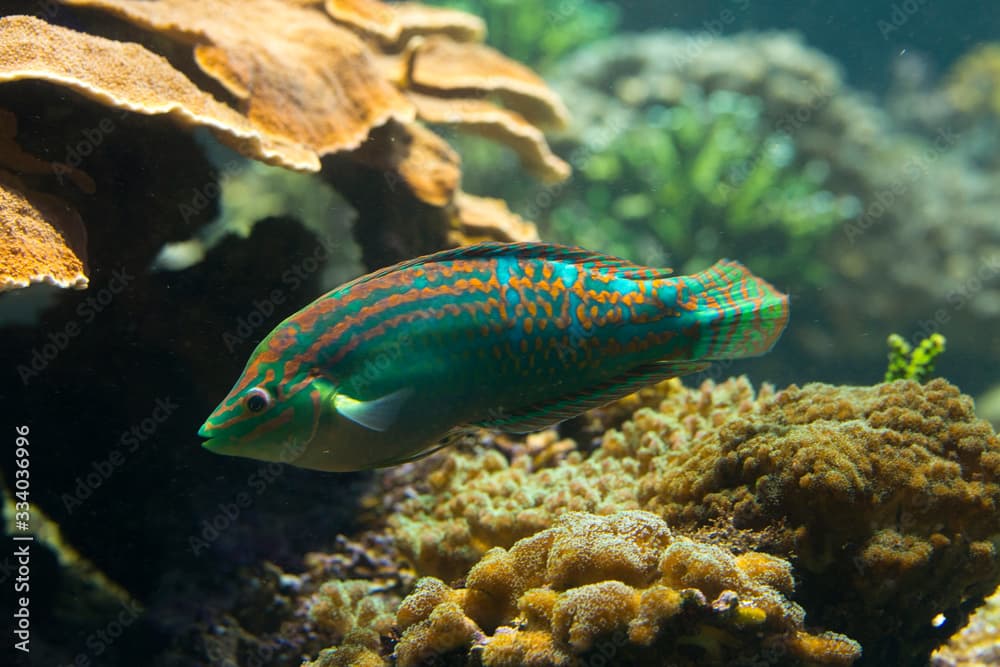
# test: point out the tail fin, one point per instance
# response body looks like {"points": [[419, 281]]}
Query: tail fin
{"points": [[741, 314]]}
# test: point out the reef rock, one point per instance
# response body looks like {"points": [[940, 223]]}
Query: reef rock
{"points": [[883, 499]]}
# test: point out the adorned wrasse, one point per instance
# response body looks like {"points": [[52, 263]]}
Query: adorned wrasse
{"points": [[517, 337]]}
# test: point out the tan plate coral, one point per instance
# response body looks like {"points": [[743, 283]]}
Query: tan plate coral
{"points": [[344, 80], [42, 239]]}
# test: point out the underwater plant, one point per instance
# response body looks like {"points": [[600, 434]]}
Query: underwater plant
{"points": [[539, 38], [913, 363], [703, 178]]}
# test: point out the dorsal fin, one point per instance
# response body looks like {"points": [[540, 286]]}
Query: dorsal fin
{"points": [[544, 415], [526, 250]]}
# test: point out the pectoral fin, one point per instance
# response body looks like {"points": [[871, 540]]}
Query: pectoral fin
{"points": [[378, 414]]}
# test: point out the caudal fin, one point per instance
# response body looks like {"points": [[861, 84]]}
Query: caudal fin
{"points": [[741, 314]]}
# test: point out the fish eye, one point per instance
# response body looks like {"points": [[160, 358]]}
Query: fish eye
{"points": [[257, 400]]}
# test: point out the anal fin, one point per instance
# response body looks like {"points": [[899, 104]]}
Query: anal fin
{"points": [[450, 438], [544, 415]]}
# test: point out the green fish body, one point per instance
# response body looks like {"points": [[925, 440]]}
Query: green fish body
{"points": [[517, 337]]}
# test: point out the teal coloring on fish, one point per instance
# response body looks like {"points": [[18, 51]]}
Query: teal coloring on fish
{"points": [[518, 337]]}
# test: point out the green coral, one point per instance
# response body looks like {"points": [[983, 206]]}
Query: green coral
{"points": [[701, 179], [524, 32], [909, 363]]}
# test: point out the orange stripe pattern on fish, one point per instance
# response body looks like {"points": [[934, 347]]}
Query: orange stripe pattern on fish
{"points": [[517, 337]]}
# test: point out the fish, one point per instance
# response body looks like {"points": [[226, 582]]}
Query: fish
{"points": [[517, 337]]}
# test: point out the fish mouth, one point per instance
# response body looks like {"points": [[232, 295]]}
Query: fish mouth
{"points": [[215, 445]]}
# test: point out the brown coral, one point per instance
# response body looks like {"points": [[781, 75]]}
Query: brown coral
{"points": [[129, 77], [326, 90], [41, 239], [618, 586], [321, 71], [487, 219], [888, 493], [476, 503], [396, 23], [501, 125], [340, 92], [445, 66], [884, 499]]}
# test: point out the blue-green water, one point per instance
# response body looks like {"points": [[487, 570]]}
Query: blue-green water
{"points": [[845, 153]]}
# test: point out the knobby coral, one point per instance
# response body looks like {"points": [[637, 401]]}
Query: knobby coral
{"points": [[622, 587], [888, 495], [475, 502], [883, 498]]}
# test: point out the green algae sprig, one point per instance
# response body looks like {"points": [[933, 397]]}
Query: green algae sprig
{"points": [[909, 363]]}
